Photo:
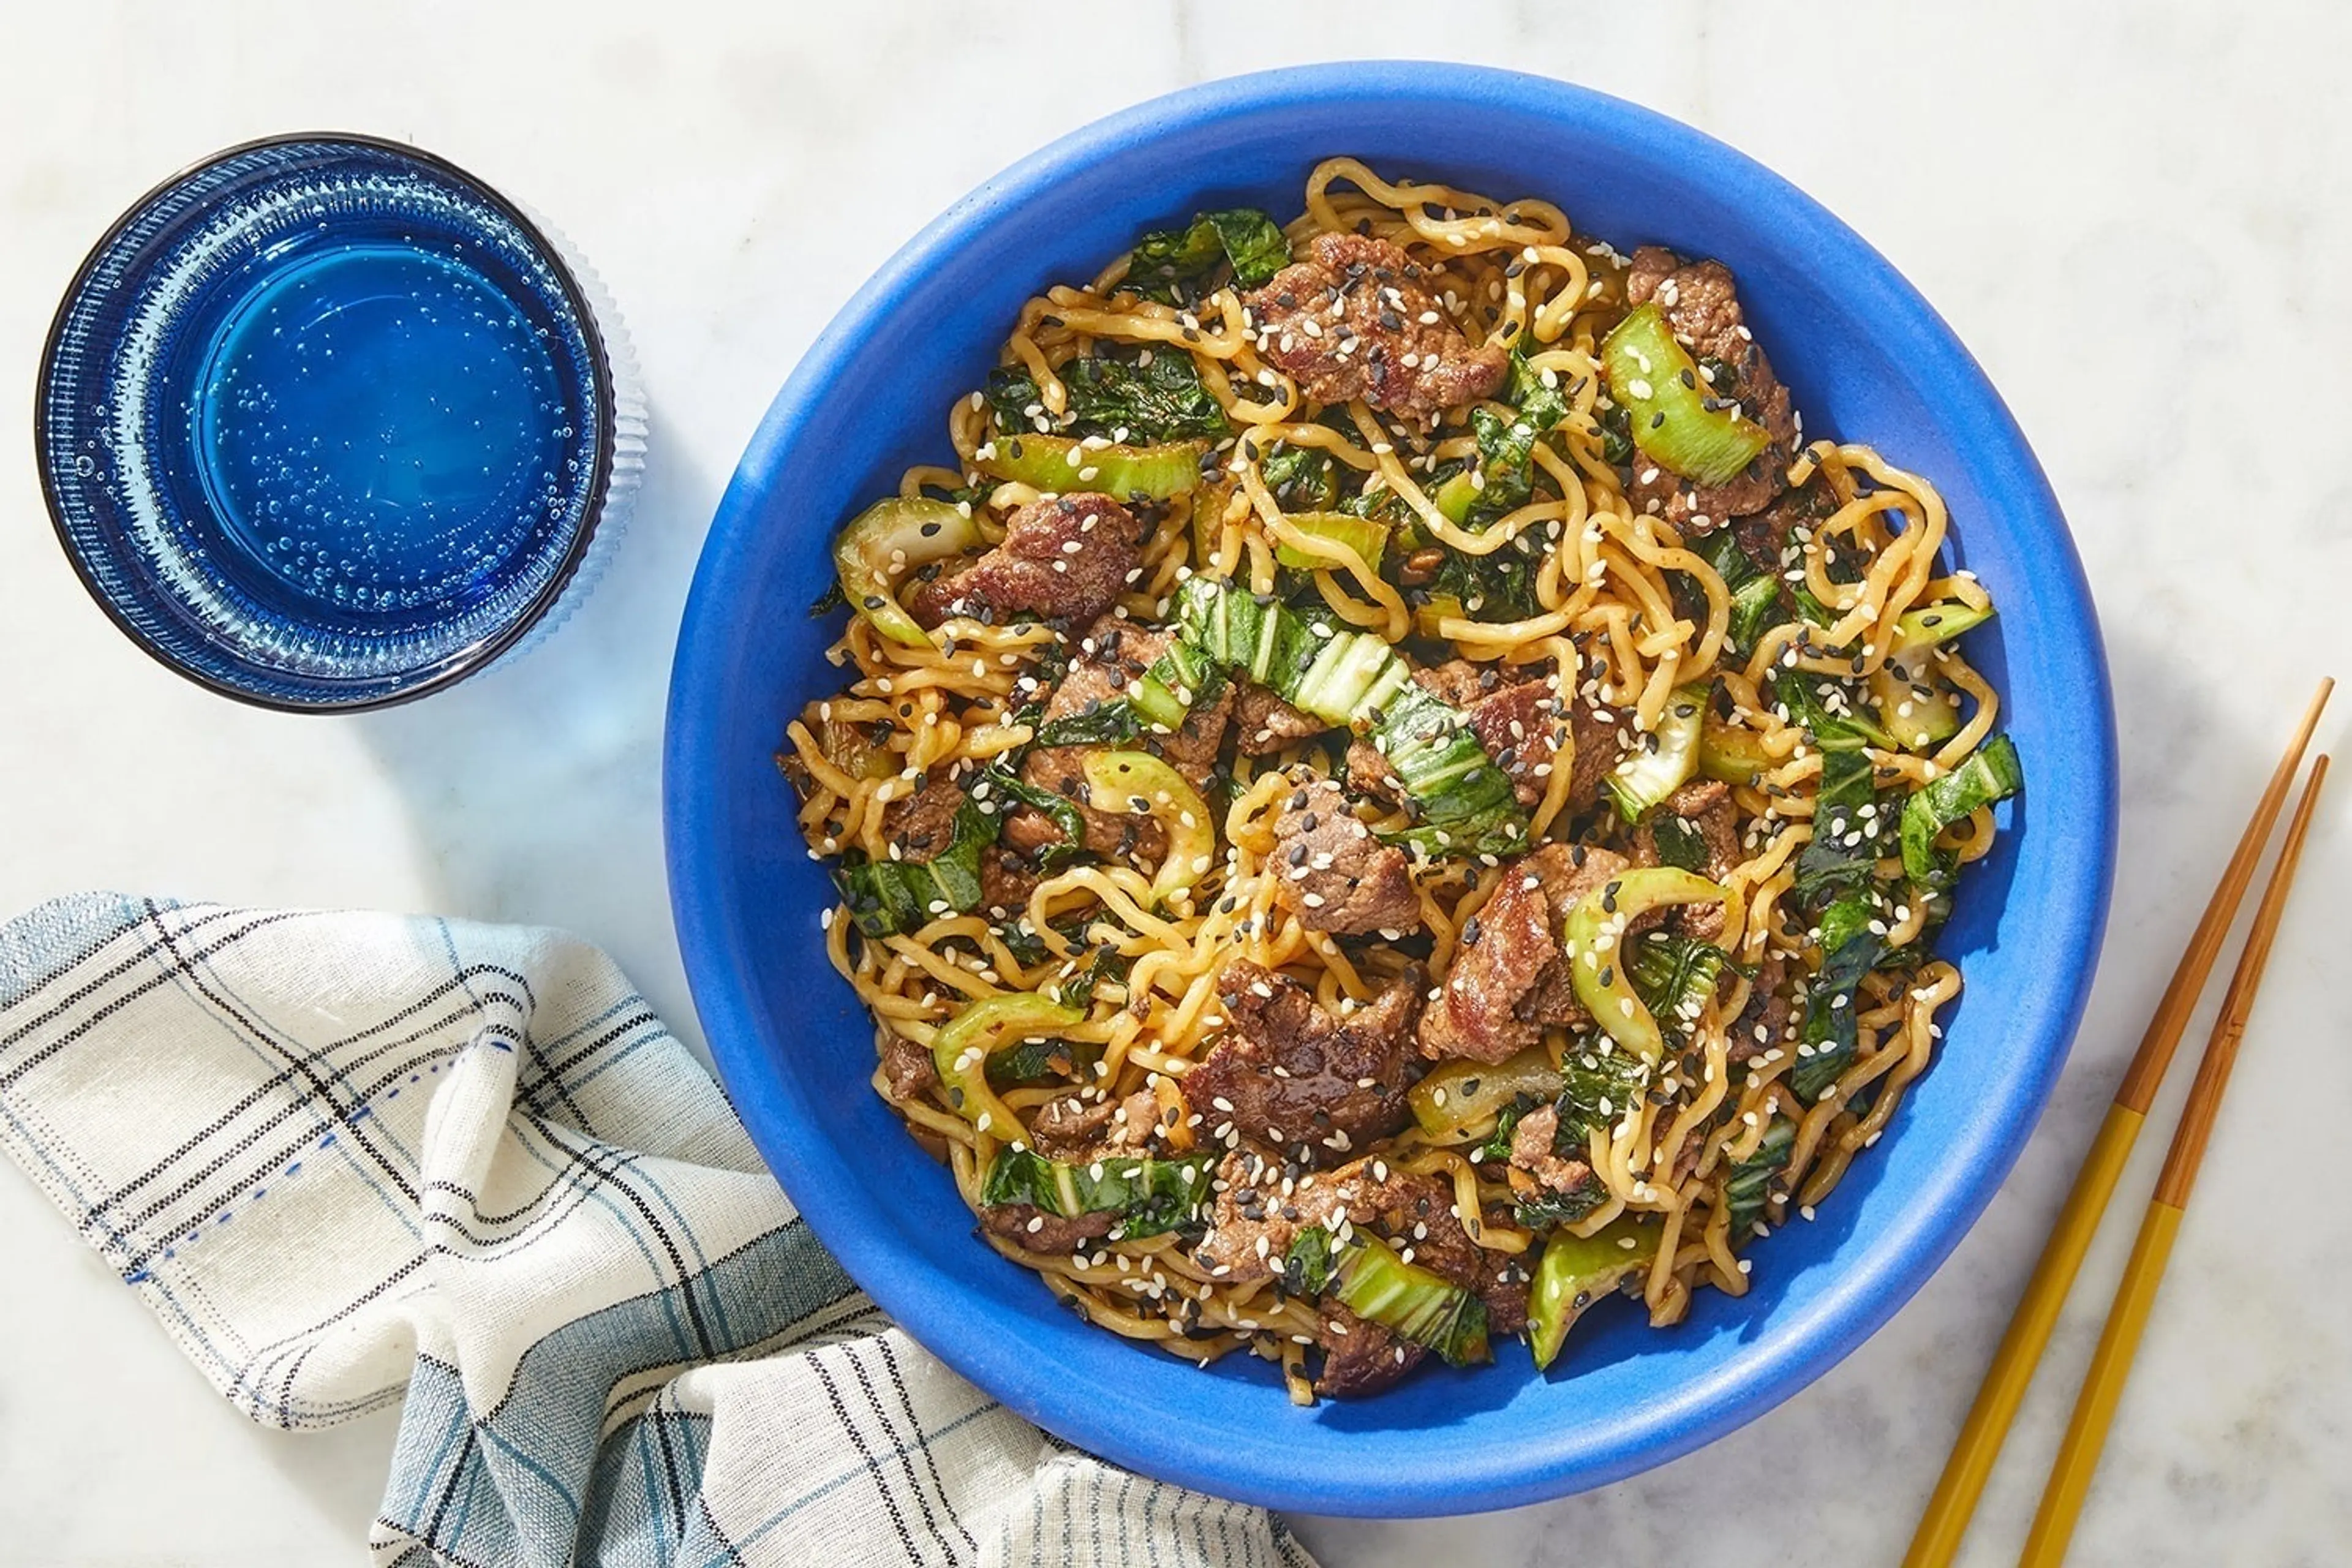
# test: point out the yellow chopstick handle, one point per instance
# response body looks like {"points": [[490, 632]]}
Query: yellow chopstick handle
{"points": [[1938, 1539], [2094, 1407]]}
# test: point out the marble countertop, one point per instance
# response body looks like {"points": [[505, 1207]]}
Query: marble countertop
{"points": [[2133, 215]]}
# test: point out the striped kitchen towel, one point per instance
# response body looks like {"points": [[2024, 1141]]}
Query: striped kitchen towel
{"points": [[349, 1159]]}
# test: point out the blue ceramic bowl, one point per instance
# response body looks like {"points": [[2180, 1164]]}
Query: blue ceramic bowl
{"points": [[1867, 359]]}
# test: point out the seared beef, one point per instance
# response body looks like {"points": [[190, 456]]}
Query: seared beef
{"points": [[1765, 1019], [1074, 1129], [1359, 1356], [1706, 804], [1356, 318], [1599, 747], [1257, 1216], [1261, 1207], [1263, 722], [1291, 1075], [907, 1068], [1065, 559], [1006, 881], [1533, 1154], [923, 823], [1509, 979], [1333, 874], [1702, 306], [1032, 1229]]}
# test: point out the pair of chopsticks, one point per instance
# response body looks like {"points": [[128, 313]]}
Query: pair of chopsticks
{"points": [[1946, 1518]]}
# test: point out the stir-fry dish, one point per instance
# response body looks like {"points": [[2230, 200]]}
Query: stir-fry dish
{"points": [[1388, 793]]}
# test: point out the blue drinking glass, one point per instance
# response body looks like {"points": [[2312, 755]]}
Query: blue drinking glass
{"points": [[326, 423]]}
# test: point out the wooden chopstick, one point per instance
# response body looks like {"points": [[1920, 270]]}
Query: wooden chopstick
{"points": [[1946, 1520], [2094, 1407]]}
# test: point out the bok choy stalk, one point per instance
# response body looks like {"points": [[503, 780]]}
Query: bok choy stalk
{"points": [[1848, 823], [1656, 381], [1575, 1271], [1371, 1280], [1059, 464], [1462, 803], [1602, 973], [960, 1051], [1666, 759], [1148, 1196]]}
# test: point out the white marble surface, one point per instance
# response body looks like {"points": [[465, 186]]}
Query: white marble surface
{"points": [[2133, 215]]}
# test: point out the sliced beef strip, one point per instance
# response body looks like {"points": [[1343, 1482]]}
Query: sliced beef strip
{"points": [[1532, 1152], [1114, 653], [923, 823], [1763, 536], [1067, 558], [1032, 1229], [1706, 803], [1264, 723], [1073, 1128], [1359, 1356], [1333, 874], [1509, 979], [1342, 1080], [1702, 305], [1356, 318], [908, 1069], [1007, 877], [1600, 746], [1369, 772], [1765, 1019], [1414, 1212]]}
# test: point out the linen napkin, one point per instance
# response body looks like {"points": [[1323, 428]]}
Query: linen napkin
{"points": [[354, 1159]]}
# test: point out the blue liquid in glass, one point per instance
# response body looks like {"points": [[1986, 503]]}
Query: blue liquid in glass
{"points": [[378, 429]]}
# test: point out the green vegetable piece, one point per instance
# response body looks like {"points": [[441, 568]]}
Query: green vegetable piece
{"points": [[887, 898], [1366, 536], [1732, 753], [1149, 1197], [1302, 479], [1428, 1309], [1059, 464], [1807, 699], [1654, 772], [1458, 1098], [963, 1045], [1138, 781], [1575, 1271], [1917, 706], [1033, 1061], [1748, 1188], [1675, 976], [1112, 722], [1828, 1041], [1306, 1268], [1941, 622], [1991, 773], [1164, 694], [1829, 862], [1657, 382], [1169, 262], [1601, 973], [883, 543]]}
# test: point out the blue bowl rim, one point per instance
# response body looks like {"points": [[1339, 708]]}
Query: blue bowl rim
{"points": [[1869, 1290], [600, 482]]}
